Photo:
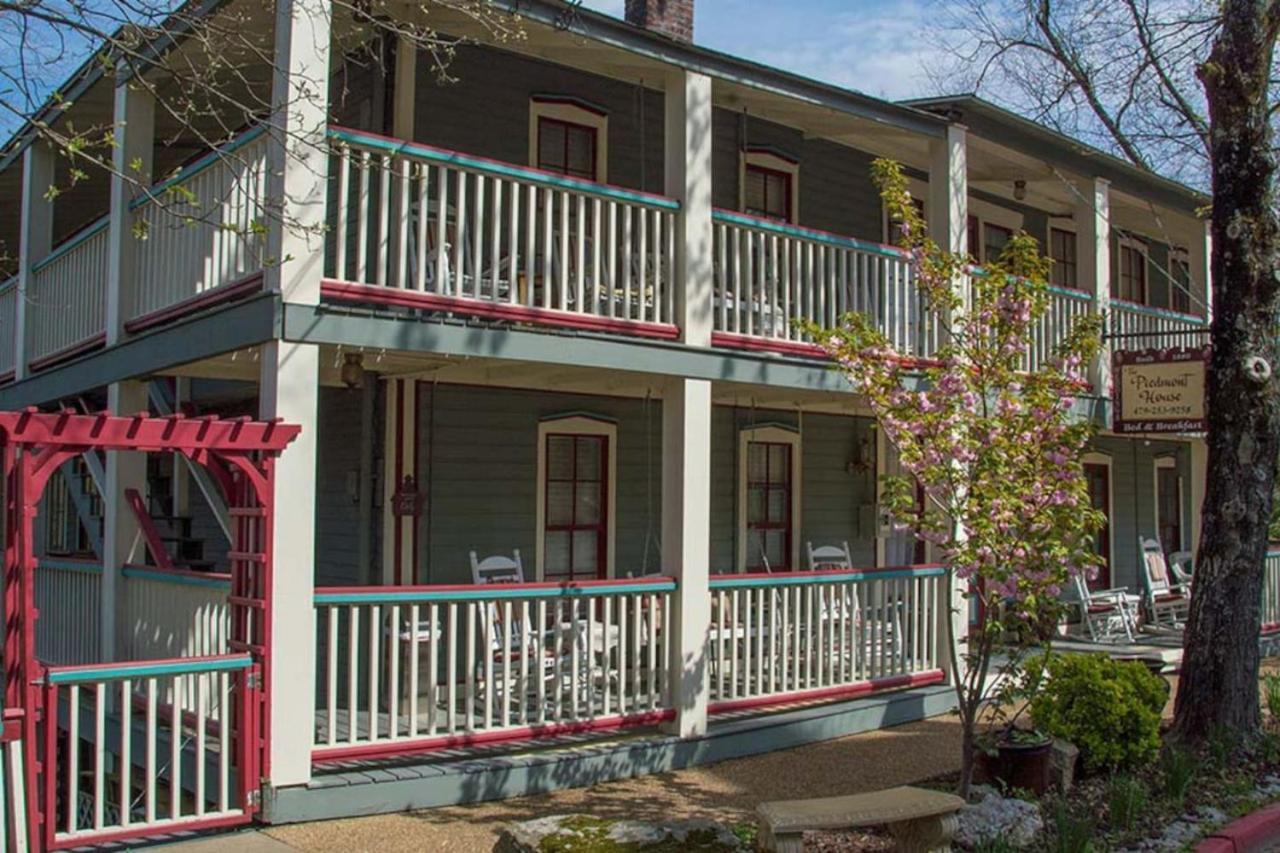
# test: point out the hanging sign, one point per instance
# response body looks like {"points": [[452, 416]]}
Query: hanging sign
{"points": [[407, 501], [1160, 390]]}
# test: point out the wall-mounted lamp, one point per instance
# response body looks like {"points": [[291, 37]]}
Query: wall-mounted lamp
{"points": [[353, 369], [1020, 190]]}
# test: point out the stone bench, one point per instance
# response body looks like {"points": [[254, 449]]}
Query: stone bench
{"points": [[919, 820]]}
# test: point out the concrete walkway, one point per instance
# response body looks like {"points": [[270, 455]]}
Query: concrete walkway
{"points": [[248, 841]]}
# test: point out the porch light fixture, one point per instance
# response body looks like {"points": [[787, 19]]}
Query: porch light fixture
{"points": [[353, 369], [1020, 190]]}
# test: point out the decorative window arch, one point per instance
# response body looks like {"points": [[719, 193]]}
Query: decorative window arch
{"points": [[579, 127], [769, 490], [576, 502]]}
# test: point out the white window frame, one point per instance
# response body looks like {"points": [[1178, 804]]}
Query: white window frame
{"points": [[573, 110], [1105, 459], [1170, 462], [773, 434], [764, 158], [577, 425], [983, 211]]}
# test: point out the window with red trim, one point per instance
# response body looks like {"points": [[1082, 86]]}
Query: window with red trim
{"points": [[1131, 283], [576, 527], [1062, 250], [1099, 480], [567, 148], [994, 239], [769, 499], [767, 192]]}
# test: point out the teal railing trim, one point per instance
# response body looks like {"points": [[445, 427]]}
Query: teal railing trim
{"points": [[492, 592], [1078, 295], [494, 167], [148, 669], [199, 166], [804, 579], [69, 245], [181, 578], [824, 237], [58, 565], [1162, 313]]}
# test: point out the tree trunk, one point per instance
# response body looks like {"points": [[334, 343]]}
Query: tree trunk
{"points": [[1218, 690]]}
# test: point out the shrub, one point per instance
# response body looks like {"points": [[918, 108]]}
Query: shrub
{"points": [[1126, 800], [1271, 690], [1109, 709]]}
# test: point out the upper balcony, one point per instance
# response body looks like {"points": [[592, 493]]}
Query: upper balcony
{"points": [[541, 209]]}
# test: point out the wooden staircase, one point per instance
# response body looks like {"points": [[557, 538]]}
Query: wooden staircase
{"points": [[174, 531]]}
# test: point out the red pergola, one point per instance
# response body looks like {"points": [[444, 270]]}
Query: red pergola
{"points": [[240, 454]]}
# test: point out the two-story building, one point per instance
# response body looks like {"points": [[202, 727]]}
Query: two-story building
{"points": [[542, 313]]}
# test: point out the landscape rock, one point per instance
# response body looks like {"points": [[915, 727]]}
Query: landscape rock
{"points": [[1062, 765], [992, 816], [578, 831]]}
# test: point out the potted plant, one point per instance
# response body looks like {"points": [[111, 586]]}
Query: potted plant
{"points": [[1013, 753]]}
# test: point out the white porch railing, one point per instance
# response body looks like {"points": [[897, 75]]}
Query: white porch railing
{"points": [[769, 274], [173, 614], [787, 637], [452, 231], [1065, 308], [1271, 591], [405, 668], [143, 763], [67, 598], [8, 326], [67, 303], [204, 228], [1139, 327]]}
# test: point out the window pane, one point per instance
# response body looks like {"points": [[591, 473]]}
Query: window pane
{"points": [[582, 152], [754, 191], [779, 463], [755, 548], [757, 460], [995, 237], [589, 452], [560, 457], [776, 547], [559, 503], [587, 509], [586, 554], [777, 506], [551, 145], [557, 552], [755, 505]]}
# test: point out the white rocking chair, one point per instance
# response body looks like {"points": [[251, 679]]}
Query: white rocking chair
{"points": [[1167, 601], [1108, 614]]}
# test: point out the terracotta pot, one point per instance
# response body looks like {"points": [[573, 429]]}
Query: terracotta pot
{"points": [[1019, 765]]}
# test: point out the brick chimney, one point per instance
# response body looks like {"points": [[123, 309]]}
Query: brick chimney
{"points": [[671, 18]]}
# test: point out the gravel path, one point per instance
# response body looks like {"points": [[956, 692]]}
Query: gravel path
{"points": [[728, 791]]}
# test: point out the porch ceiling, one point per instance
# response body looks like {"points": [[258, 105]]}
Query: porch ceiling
{"points": [[242, 365]]}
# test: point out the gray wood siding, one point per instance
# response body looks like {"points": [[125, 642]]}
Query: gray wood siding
{"points": [[1133, 504]]}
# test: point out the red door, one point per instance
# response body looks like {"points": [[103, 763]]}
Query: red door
{"points": [[769, 499], [576, 532]]}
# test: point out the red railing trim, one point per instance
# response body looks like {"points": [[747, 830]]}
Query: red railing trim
{"points": [[69, 351], [237, 289], [916, 679]]}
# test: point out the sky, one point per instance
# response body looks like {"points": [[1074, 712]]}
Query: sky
{"points": [[874, 46]]}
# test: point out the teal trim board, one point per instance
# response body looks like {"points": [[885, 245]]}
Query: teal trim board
{"points": [[148, 669]]}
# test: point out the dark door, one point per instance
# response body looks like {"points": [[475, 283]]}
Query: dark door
{"points": [[1099, 478], [1169, 508]]}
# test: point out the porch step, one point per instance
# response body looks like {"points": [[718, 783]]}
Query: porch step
{"points": [[355, 789]]}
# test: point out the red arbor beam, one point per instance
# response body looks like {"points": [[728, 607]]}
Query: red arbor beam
{"points": [[144, 432]]}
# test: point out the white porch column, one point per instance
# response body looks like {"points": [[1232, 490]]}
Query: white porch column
{"points": [[686, 544], [135, 140], [297, 152], [289, 390], [1093, 243], [124, 470], [948, 207], [948, 215], [688, 179], [406, 88], [36, 239], [400, 461], [1199, 253]]}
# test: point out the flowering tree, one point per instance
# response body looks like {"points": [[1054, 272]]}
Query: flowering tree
{"points": [[995, 447]]}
